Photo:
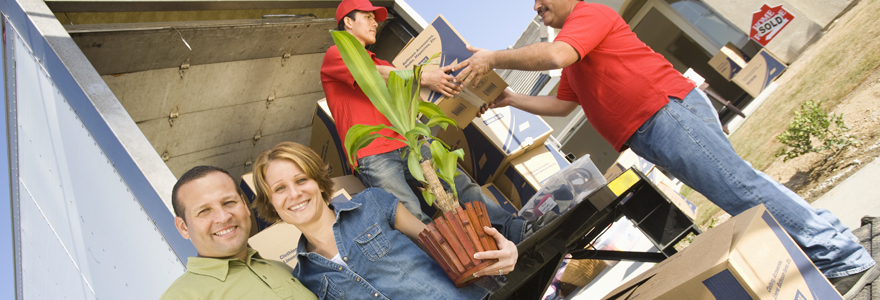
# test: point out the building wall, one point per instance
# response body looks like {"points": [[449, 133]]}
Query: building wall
{"points": [[810, 18]]}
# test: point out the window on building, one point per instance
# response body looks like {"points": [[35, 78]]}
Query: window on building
{"points": [[713, 25]]}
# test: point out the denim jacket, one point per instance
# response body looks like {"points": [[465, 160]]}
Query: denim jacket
{"points": [[382, 262]]}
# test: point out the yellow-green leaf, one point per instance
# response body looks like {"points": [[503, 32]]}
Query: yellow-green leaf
{"points": [[414, 168], [429, 198], [358, 137], [367, 75]]}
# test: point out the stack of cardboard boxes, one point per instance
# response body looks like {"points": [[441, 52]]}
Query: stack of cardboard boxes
{"points": [[751, 74], [450, 48], [494, 141], [326, 142]]}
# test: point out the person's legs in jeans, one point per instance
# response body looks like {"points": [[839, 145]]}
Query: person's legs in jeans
{"points": [[683, 138], [388, 171]]}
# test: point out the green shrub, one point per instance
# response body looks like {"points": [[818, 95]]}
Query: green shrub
{"points": [[814, 124]]}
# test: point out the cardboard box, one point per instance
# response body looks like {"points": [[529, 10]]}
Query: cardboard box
{"points": [[491, 141], [748, 257], [279, 241], [351, 184], [325, 141], [759, 72], [440, 37], [523, 177], [628, 159], [491, 191], [728, 61]]}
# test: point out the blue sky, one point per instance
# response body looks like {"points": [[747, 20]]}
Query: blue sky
{"points": [[489, 24]]}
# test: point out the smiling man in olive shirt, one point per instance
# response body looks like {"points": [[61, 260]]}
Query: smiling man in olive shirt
{"points": [[213, 215]]}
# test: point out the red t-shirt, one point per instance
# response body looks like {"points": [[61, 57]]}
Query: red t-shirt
{"points": [[619, 81], [349, 105]]}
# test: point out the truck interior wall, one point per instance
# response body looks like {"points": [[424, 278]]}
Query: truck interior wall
{"points": [[219, 92], [89, 219], [249, 85]]}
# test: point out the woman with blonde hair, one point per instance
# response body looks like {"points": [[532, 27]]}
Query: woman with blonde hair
{"points": [[365, 248]]}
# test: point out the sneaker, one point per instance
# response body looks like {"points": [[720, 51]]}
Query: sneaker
{"points": [[534, 226], [850, 286]]}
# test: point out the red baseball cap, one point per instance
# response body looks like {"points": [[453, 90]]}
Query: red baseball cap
{"points": [[348, 6]]}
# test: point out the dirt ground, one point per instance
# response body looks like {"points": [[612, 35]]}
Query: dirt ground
{"points": [[840, 69], [814, 174]]}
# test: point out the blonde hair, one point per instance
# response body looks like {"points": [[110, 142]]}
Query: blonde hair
{"points": [[304, 157]]}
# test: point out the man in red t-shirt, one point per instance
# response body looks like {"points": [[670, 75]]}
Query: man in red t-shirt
{"points": [[382, 163], [635, 99]]}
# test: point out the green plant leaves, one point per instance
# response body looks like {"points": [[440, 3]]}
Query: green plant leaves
{"points": [[358, 137], [429, 198], [398, 100], [367, 75], [435, 115], [811, 124], [415, 168], [446, 163]]}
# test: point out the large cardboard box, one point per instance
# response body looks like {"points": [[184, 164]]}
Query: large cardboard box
{"points": [[491, 141], [440, 37], [748, 257], [491, 191], [759, 72], [728, 61], [325, 141], [523, 177], [279, 241]]}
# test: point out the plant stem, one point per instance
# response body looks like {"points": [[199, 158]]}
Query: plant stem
{"points": [[443, 200]]}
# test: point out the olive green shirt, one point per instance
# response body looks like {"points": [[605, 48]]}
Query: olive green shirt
{"points": [[232, 278]]}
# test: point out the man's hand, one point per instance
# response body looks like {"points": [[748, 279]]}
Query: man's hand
{"points": [[501, 101], [506, 255], [475, 67], [441, 82]]}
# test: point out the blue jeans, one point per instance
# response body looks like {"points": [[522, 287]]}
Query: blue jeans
{"points": [[389, 171], [685, 139]]}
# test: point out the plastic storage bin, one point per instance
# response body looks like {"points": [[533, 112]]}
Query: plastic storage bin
{"points": [[564, 189]]}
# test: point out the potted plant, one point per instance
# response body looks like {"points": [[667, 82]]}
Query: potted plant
{"points": [[453, 238]]}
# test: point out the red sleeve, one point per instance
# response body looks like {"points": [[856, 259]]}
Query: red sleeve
{"points": [[587, 26], [334, 68], [564, 92]]}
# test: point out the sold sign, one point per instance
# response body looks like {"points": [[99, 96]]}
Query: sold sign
{"points": [[767, 22]]}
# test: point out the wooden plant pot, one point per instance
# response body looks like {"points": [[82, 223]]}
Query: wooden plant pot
{"points": [[453, 238]]}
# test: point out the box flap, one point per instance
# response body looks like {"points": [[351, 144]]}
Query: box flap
{"points": [[707, 252], [277, 242], [349, 183], [756, 255]]}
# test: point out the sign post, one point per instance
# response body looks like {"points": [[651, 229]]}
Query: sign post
{"points": [[767, 22]]}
